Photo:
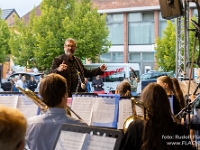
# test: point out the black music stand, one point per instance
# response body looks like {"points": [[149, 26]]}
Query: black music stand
{"points": [[102, 132]]}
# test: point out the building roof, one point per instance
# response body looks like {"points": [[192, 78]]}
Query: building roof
{"points": [[7, 12], [26, 17]]}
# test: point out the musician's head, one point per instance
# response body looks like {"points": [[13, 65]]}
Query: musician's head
{"points": [[53, 90], [70, 47], [155, 98], [123, 89], [167, 84], [12, 129]]}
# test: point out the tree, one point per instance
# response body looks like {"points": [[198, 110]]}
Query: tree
{"points": [[166, 47], [4, 39], [59, 20], [22, 42], [89, 29]]}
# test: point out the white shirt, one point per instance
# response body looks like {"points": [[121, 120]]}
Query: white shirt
{"points": [[20, 83]]}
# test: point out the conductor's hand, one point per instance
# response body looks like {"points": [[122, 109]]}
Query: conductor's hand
{"points": [[62, 67], [103, 67]]}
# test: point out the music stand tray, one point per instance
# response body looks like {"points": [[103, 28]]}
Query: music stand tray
{"points": [[78, 137]]}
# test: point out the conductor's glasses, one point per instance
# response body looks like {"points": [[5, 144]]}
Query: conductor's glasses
{"points": [[68, 45]]}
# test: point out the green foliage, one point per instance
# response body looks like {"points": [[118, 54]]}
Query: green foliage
{"points": [[22, 42], [166, 47], [89, 29], [38, 42], [4, 39]]}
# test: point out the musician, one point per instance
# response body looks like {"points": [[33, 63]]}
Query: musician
{"points": [[13, 129], [167, 84], [123, 89], [159, 130], [42, 129], [179, 92], [71, 68], [134, 85], [98, 84]]}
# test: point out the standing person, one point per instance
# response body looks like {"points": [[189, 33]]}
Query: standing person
{"points": [[179, 92], [159, 130], [42, 129], [87, 84], [167, 84], [98, 84], [32, 84], [71, 68], [12, 71], [24, 82], [13, 129], [134, 85]]}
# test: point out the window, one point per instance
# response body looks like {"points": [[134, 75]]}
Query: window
{"points": [[115, 23], [195, 12], [112, 57], [134, 56], [141, 28], [148, 56]]}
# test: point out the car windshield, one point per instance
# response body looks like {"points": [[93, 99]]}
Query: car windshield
{"points": [[37, 78]]}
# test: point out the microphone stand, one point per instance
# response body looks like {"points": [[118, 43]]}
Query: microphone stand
{"points": [[187, 109]]}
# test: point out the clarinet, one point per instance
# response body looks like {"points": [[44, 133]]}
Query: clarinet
{"points": [[79, 81]]}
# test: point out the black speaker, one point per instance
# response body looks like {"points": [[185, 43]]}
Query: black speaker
{"points": [[171, 8]]}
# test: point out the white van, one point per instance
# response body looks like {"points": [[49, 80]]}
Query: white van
{"points": [[115, 73]]}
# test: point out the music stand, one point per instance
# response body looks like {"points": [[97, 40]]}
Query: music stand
{"points": [[97, 132]]}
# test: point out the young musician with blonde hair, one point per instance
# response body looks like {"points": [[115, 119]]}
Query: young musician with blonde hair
{"points": [[167, 85], [12, 129]]}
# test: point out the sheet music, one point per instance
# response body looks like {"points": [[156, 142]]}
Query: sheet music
{"points": [[9, 101], [104, 110], [94, 142], [83, 106], [27, 106], [125, 110], [70, 141]]}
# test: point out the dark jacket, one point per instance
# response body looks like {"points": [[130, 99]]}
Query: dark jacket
{"points": [[70, 75], [32, 85], [97, 84], [132, 139]]}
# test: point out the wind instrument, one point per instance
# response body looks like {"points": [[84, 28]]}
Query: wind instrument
{"points": [[43, 107], [135, 116]]}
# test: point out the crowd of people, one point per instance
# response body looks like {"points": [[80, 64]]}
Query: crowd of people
{"points": [[164, 99]]}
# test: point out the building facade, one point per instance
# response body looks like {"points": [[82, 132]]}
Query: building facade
{"points": [[134, 27]]}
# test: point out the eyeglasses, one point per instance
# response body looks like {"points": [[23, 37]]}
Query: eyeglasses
{"points": [[72, 46]]}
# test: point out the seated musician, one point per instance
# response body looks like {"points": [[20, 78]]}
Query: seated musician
{"points": [[167, 85], [159, 130], [13, 129], [42, 129], [123, 89]]}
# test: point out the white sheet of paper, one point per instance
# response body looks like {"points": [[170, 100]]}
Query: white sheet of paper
{"points": [[70, 141], [100, 143], [104, 110], [125, 110], [9, 101], [27, 106], [83, 106]]}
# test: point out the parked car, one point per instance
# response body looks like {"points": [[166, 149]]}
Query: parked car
{"points": [[6, 83], [151, 76]]}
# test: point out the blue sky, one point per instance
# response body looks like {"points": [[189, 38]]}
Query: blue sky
{"points": [[21, 6]]}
